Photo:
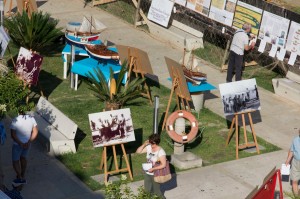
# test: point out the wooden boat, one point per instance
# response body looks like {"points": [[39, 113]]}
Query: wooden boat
{"points": [[101, 51], [87, 29], [195, 75], [191, 75]]}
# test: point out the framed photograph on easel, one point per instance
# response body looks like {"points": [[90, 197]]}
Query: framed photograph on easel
{"points": [[111, 127], [240, 96], [28, 66]]}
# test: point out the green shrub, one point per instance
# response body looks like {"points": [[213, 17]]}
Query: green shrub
{"points": [[13, 93], [36, 32], [121, 190]]}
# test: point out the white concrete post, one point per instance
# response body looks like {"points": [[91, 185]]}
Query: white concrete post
{"points": [[179, 128]]}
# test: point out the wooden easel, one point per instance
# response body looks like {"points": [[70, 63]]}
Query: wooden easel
{"points": [[99, 2], [179, 86], [175, 84], [29, 87], [236, 123], [133, 68], [29, 6], [103, 162], [10, 7]]}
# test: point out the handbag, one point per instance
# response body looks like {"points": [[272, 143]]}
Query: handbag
{"points": [[162, 175]]}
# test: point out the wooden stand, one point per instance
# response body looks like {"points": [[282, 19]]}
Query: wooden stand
{"points": [[138, 13], [179, 100], [236, 123], [29, 87], [132, 68], [29, 6], [99, 2], [179, 86], [103, 162], [9, 13]]}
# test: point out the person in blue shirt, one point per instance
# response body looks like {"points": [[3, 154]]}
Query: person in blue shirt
{"points": [[294, 156]]}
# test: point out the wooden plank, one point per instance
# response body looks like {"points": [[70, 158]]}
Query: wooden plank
{"points": [[141, 12], [98, 2]]}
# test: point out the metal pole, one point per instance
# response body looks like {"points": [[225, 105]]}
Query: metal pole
{"points": [[2, 11], [155, 114]]}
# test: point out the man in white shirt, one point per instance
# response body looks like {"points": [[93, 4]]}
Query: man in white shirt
{"points": [[238, 45], [23, 131]]}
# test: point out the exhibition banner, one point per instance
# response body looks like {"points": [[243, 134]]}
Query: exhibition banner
{"points": [[181, 2], [247, 13], [160, 11], [293, 41], [200, 6], [222, 11], [274, 29]]}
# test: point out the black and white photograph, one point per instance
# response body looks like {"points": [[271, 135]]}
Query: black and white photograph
{"points": [[111, 127], [240, 96]]}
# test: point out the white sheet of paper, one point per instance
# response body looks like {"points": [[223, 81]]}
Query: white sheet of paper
{"points": [[280, 54], [262, 46], [292, 59], [273, 51], [285, 170]]}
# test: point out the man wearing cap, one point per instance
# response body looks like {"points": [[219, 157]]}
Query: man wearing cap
{"points": [[239, 44]]}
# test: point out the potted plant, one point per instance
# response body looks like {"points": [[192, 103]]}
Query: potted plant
{"points": [[113, 93]]}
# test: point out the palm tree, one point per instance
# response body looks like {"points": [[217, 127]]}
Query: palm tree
{"points": [[113, 93], [36, 32]]}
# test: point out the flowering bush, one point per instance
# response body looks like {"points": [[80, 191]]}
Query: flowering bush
{"points": [[12, 93], [121, 190]]}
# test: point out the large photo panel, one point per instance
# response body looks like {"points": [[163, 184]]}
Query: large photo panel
{"points": [[111, 127], [247, 13], [293, 40], [240, 96], [222, 11], [200, 6], [274, 29]]}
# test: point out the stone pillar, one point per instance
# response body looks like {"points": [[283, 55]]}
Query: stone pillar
{"points": [[179, 128], [198, 100]]}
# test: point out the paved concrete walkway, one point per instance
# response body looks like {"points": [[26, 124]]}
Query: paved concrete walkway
{"points": [[48, 178]]}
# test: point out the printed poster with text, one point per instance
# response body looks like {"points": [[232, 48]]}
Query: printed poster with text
{"points": [[247, 13], [222, 11], [200, 6], [160, 11], [293, 40], [273, 29], [181, 2]]}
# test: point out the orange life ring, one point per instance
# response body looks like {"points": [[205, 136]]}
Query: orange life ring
{"points": [[171, 129]]}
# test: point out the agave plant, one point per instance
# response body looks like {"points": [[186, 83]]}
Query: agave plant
{"points": [[113, 92], [33, 32]]}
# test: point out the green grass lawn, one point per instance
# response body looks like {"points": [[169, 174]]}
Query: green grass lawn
{"points": [[210, 146]]}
